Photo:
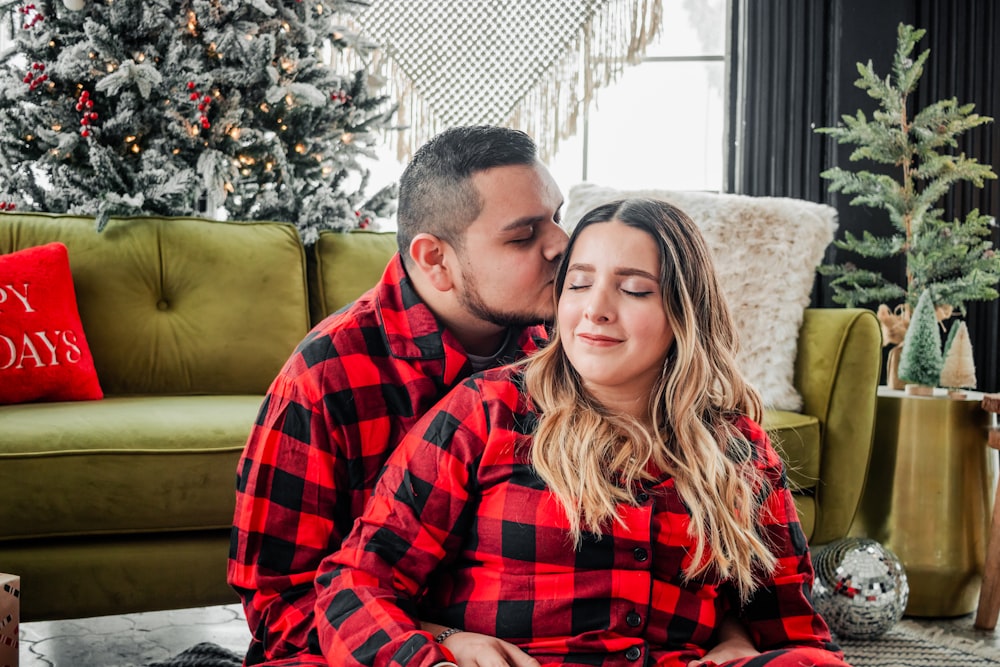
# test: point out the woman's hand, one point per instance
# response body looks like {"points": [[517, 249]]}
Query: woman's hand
{"points": [[475, 650], [734, 643], [472, 649]]}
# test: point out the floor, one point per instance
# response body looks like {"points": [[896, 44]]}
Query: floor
{"points": [[136, 639], [130, 640]]}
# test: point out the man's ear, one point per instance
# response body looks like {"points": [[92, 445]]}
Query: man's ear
{"points": [[432, 258]]}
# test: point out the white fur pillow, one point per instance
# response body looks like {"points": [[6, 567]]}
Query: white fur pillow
{"points": [[766, 252]]}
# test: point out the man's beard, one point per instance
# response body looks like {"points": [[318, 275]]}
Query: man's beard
{"points": [[471, 300]]}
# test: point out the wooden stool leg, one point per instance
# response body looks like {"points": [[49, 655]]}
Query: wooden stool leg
{"points": [[989, 594]]}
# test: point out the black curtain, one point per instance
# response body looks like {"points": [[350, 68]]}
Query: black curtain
{"points": [[792, 69]]}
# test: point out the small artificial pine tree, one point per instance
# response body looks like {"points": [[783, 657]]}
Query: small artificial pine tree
{"points": [[959, 368], [955, 258], [188, 107], [920, 361]]}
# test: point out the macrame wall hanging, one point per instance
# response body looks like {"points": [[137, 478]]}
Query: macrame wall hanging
{"points": [[528, 64]]}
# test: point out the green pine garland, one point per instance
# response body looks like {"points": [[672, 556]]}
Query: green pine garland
{"points": [[953, 259]]}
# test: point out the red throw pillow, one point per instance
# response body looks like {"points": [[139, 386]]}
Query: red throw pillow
{"points": [[43, 353]]}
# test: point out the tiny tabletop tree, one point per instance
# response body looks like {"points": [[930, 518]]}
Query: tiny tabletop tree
{"points": [[953, 258], [920, 362], [959, 369]]}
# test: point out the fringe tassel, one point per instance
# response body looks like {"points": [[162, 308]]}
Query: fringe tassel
{"points": [[614, 34]]}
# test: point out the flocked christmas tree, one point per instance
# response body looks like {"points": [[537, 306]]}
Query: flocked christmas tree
{"points": [[180, 107], [953, 258], [920, 362]]}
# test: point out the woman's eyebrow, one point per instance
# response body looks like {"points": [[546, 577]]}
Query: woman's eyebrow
{"points": [[620, 271]]}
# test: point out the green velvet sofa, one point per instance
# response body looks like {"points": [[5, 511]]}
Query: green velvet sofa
{"points": [[124, 504]]}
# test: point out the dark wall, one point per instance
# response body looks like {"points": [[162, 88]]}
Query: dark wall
{"points": [[793, 69]]}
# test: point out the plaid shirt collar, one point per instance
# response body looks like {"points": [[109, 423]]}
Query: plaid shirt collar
{"points": [[412, 331]]}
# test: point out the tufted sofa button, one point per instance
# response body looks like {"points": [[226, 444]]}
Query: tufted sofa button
{"points": [[633, 619], [633, 653], [163, 304], [640, 554]]}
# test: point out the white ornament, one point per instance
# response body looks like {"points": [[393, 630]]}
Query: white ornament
{"points": [[75, 5]]}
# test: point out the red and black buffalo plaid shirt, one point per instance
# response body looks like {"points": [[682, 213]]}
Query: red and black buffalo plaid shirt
{"points": [[461, 531], [336, 411]]}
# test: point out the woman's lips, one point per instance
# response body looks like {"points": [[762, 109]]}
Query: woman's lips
{"points": [[598, 339]]}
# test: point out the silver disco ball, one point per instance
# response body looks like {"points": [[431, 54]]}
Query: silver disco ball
{"points": [[860, 587]]}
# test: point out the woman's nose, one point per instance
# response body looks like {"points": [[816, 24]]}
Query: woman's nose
{"points": [[598, 307]]}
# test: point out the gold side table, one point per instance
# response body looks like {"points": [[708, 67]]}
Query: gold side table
{"points": [[989, 595], [928, 497]]}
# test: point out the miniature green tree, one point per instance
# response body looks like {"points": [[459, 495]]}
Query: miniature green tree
{"points": [[959, 369], [920, 362], [955, 259]]}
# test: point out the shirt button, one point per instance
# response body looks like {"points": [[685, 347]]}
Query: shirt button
{"points": [[633, 619], [643, 497], [640, 554], [633, 654]]}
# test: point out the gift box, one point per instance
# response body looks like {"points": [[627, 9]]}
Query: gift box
{"points": [[10, 615]]}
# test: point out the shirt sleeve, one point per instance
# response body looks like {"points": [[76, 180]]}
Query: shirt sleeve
{"points": [[780, 613], [283, 524], [419, 513]]}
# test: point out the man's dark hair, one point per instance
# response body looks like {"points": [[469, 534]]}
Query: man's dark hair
{"points": [[436, 193]]}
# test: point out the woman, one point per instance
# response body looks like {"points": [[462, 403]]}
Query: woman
{"points": [[607, 502]]}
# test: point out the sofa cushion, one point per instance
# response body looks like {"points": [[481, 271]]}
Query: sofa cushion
{"points": [[180, 305], [767, 251], [796, 437], [121, 465], [345, 266], [43, 350]]}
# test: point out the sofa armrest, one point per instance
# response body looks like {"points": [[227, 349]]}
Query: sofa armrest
{"points": [[837, 370]]}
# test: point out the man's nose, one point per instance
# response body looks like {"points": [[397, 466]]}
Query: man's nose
{"points": [[555, 241]]}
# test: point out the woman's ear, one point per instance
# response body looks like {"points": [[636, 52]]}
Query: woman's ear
{"points": [[431, 257]]}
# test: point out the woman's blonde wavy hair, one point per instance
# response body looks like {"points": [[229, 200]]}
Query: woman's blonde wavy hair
{"points": [[593, 459]]}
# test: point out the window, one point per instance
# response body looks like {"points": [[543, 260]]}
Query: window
{"points": [[662, 124]]}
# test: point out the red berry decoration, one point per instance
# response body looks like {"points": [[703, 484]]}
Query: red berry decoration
{"points": [[31, 15], [35, 76], [83, 105], [204, 103]]}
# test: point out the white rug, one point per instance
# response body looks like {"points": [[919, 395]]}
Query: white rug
{"points": [[908, 644]]}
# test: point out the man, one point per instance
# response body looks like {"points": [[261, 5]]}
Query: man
{"points": [[479, 240]]}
